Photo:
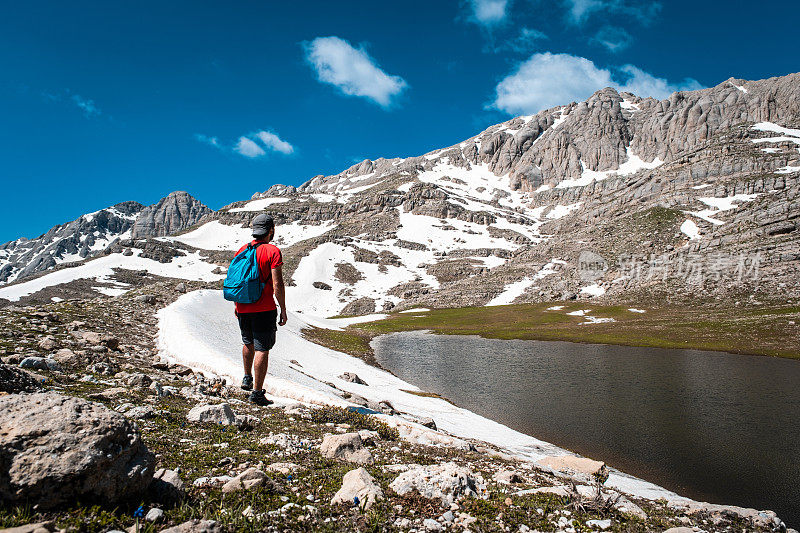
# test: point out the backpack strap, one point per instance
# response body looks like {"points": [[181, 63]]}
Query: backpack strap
{"points": [[256, 245]]}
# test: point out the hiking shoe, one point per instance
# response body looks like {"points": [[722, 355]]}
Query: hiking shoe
{"points": [[247, 382], [257, 397]]}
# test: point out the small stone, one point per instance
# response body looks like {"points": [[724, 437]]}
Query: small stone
{"points": [[431, 525], [352, 377], [146, 299], [180, 287], [154, 515], [600, 524], [448, 517], [508, 501]]}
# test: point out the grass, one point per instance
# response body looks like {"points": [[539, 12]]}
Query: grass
{"points": [[771, 330]]}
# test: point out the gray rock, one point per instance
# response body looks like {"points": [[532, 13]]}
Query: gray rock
{"points": [[103, 458], [195, 526], [359, 484], [65, 356], [167, 486], [142, 412], [146, 298], [48, 344], [181, 287], [250, 479], [346, 447], [154, 515], [352, 377], [35, 527], [431, 525], [212, 414], [40, 363], [446, 482]]}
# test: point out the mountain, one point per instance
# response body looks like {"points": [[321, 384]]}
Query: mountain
{"points": [[692, 196], [617, 197], [93, 233]]}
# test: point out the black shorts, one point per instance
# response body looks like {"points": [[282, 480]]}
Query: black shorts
{"points": [[259, 329]]}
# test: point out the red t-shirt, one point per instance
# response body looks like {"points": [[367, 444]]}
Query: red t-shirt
{"points": [[268, 257]]}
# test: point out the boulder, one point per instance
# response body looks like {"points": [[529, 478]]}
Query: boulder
{"points": [[14, 380], [358, 484], [40, 363], [55, 449], [195, 526], [446, 482], [220, 413], [48, 344], [346, 447], [577, 465], [167, 486], [65, 356], [181, 287], [248, 480]]}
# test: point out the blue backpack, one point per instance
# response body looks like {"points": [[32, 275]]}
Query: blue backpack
{"points": [[243, 283]]}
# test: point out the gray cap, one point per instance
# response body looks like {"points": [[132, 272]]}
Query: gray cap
{"points": [[261, 225]]}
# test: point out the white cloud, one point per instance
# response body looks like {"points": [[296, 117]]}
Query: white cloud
{"points": [[274, 142], [352, 70], [248, 148], [614, 38], [213, 141], [86, 105], [580, 10], [548, 80], [252, 145], [489, 12]]}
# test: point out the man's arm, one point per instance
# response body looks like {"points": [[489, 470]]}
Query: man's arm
{"points": [[280, 293]]}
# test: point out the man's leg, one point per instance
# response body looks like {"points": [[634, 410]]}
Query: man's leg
{"points": [[260, 368], [247, 358]]}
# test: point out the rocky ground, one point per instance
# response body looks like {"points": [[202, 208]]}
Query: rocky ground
{"points": [[99, 433]]}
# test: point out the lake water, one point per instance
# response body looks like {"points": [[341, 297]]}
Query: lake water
{"points": [[712, 426]]}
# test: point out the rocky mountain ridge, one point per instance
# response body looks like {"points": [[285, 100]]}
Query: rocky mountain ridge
{"points": [[93, 233]]}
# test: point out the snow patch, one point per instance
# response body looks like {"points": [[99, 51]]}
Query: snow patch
{"points": [[634, 310], [215, 236], [690, 229], [718, 205], [258, 205], [593, 290]]}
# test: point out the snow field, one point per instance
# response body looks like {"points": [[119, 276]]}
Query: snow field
{"points": [[718, 205], [258, 205], [189, 267]]}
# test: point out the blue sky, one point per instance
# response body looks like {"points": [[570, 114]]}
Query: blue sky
{"points": [[102, 102]]}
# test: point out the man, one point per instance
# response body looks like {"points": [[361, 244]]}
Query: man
{"points": [[257, 320]]}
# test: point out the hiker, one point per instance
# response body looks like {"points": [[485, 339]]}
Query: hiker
{"points": [[257, 318]]}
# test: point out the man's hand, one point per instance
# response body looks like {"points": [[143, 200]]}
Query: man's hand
{"points": [[282, 320]]}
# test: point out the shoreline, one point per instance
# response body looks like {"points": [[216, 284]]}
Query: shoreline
{"points": [[450, 418]]}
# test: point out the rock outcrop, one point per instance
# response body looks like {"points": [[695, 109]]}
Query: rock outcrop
{"points": [[55, 449], [176, 212]]}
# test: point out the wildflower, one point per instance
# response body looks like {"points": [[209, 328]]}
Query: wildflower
{"points": [[355, 500], [139, 513]]}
